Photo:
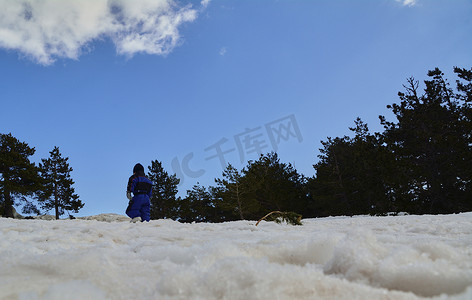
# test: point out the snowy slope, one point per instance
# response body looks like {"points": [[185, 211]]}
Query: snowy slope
{"points": [[106, 257]]}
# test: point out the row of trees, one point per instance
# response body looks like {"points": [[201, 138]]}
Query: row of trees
{"points": [[22, 181], [262, 186], [421, 163]]}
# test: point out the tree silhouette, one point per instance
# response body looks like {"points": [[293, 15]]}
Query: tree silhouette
{"points": [[58, 192]]}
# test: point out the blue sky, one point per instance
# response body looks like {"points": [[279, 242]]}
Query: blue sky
{"points": [[119, 82]]}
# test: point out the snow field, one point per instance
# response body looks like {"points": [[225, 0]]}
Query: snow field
{"points": [[106, 257]]}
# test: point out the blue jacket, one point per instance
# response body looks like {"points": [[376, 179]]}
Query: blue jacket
{"points": [[140, 184], [139, 206]]}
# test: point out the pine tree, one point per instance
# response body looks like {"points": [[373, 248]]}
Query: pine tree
{"points": [[464, 96], [432, 145], [197, 206], [58, 192], [221, 211], [273, 185], [351, 176], [419, 164], [328, 186], [164, 203], [232, 191], [19, 178]]}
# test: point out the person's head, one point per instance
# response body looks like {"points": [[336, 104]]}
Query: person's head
{"points": [[138, 169]]}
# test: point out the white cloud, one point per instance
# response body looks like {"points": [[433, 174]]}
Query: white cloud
{"points": [[222, 51], [205, 3], [45, 30], [407, 2]]}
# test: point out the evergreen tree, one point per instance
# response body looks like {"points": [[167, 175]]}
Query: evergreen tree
{"points": [[164, 202], [327, 188], [373, 168], [198, 206], [432, 145], [19, 178], [58, 193], [202, 204], [464, 96], [351, 176], [273, 185], [221, 211], [232, 191], [419, 164]]}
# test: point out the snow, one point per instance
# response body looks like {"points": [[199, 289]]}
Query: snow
{"points": [[106, 257]]}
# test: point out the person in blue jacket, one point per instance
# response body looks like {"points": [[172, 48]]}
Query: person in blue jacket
{"points": [[141, 188]]}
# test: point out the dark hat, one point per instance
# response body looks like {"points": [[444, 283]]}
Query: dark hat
{"points": [[138, 168]]}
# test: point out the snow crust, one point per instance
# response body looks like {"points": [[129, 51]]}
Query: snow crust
{"points": [[106, 257]]}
